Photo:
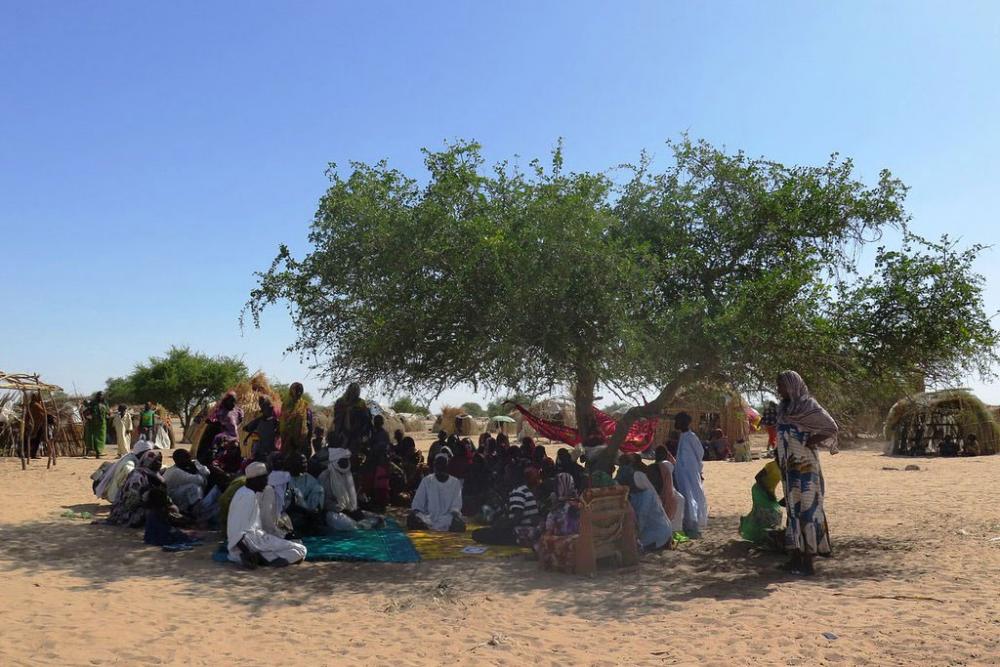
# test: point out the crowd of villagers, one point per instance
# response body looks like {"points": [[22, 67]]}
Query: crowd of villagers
{"points": [[299, 481]]}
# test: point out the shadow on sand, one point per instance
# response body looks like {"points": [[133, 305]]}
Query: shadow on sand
{"points": [[716, 567]]}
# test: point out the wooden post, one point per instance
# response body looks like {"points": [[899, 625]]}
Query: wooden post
{"points": [[50, 444], [24, 418]]}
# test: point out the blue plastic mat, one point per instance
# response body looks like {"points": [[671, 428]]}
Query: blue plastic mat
{"points": [[388, 544]]}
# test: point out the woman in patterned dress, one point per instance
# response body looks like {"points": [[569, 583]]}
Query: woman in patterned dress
{"points": [[803, 426]]}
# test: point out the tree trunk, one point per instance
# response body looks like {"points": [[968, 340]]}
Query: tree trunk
{"points": [[186, 415], [652, 409], [583, 397]]}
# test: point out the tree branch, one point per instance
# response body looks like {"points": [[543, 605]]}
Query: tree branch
{"points": [[656, 406]]}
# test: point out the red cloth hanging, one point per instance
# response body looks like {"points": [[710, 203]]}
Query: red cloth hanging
{"points": [[639, 437], [550, 429]]}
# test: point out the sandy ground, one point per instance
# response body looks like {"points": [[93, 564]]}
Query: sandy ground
{"points": [[914, 580]]}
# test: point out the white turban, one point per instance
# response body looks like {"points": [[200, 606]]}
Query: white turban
{"points": [[256, 469], [142, 445]]}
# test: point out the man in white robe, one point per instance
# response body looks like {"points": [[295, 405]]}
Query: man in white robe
{"points": [[437, 504], [340, 499], [688, 477], [122, 422], [273, 501], [248, 542]]}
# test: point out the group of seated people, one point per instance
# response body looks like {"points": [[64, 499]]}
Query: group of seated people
{"points": [[968, 446], [916, 442], [517, 492], [524, 497]]}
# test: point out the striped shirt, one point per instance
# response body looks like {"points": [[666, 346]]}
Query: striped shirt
{"points": [[522, 498]]}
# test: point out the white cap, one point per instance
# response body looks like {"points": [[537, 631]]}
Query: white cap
{"points": [[256, 469]]}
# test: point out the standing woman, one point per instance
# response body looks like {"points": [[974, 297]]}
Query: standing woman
{"points": [[95, 427], [803, 425], [296, 423]]}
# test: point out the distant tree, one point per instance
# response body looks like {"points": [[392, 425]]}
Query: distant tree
{"points": [[119, 390], [182, 381], [720, 267], [281, 389], [407, 405], [473, 409]]}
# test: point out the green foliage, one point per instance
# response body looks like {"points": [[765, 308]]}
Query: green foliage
{"points": [[407, 405], [182, 381], [918, 319], [119, 390], [281, 389], [502, 406], [719, 266], [473, 409]]}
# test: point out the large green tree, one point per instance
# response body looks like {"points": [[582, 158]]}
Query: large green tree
{"points": [[717, 267], [182, 381]]}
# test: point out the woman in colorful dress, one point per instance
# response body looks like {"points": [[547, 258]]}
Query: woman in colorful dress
{"points": [[803, 426], [296, 423], [556, 547], [765, 517], [95, 427]]}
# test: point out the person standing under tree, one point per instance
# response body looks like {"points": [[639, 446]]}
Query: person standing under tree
{"points": [[95, 428], [803, 426], [296, 424], [122, 422], [351, 418], [688, 477], [770, 422], [147, 421]]}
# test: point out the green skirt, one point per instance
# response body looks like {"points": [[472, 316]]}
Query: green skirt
{"points": [[766, 515]]}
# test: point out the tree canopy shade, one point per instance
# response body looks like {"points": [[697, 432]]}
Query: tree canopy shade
{"points": [[182, 381], [717, 266]]}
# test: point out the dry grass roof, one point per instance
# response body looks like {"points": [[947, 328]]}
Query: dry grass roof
{"points": [[971, 415]]}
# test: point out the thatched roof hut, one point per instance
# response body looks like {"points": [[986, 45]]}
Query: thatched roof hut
{"points": [[455, 421], [393, 421], [929, 416], [413, 423], [710, 407]]}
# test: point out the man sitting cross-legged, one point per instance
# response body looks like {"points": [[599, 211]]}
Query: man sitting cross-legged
{"points": [[437, 505], [248, 543]]}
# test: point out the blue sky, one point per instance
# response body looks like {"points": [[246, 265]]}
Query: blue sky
{"points": [[153, 155]]}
